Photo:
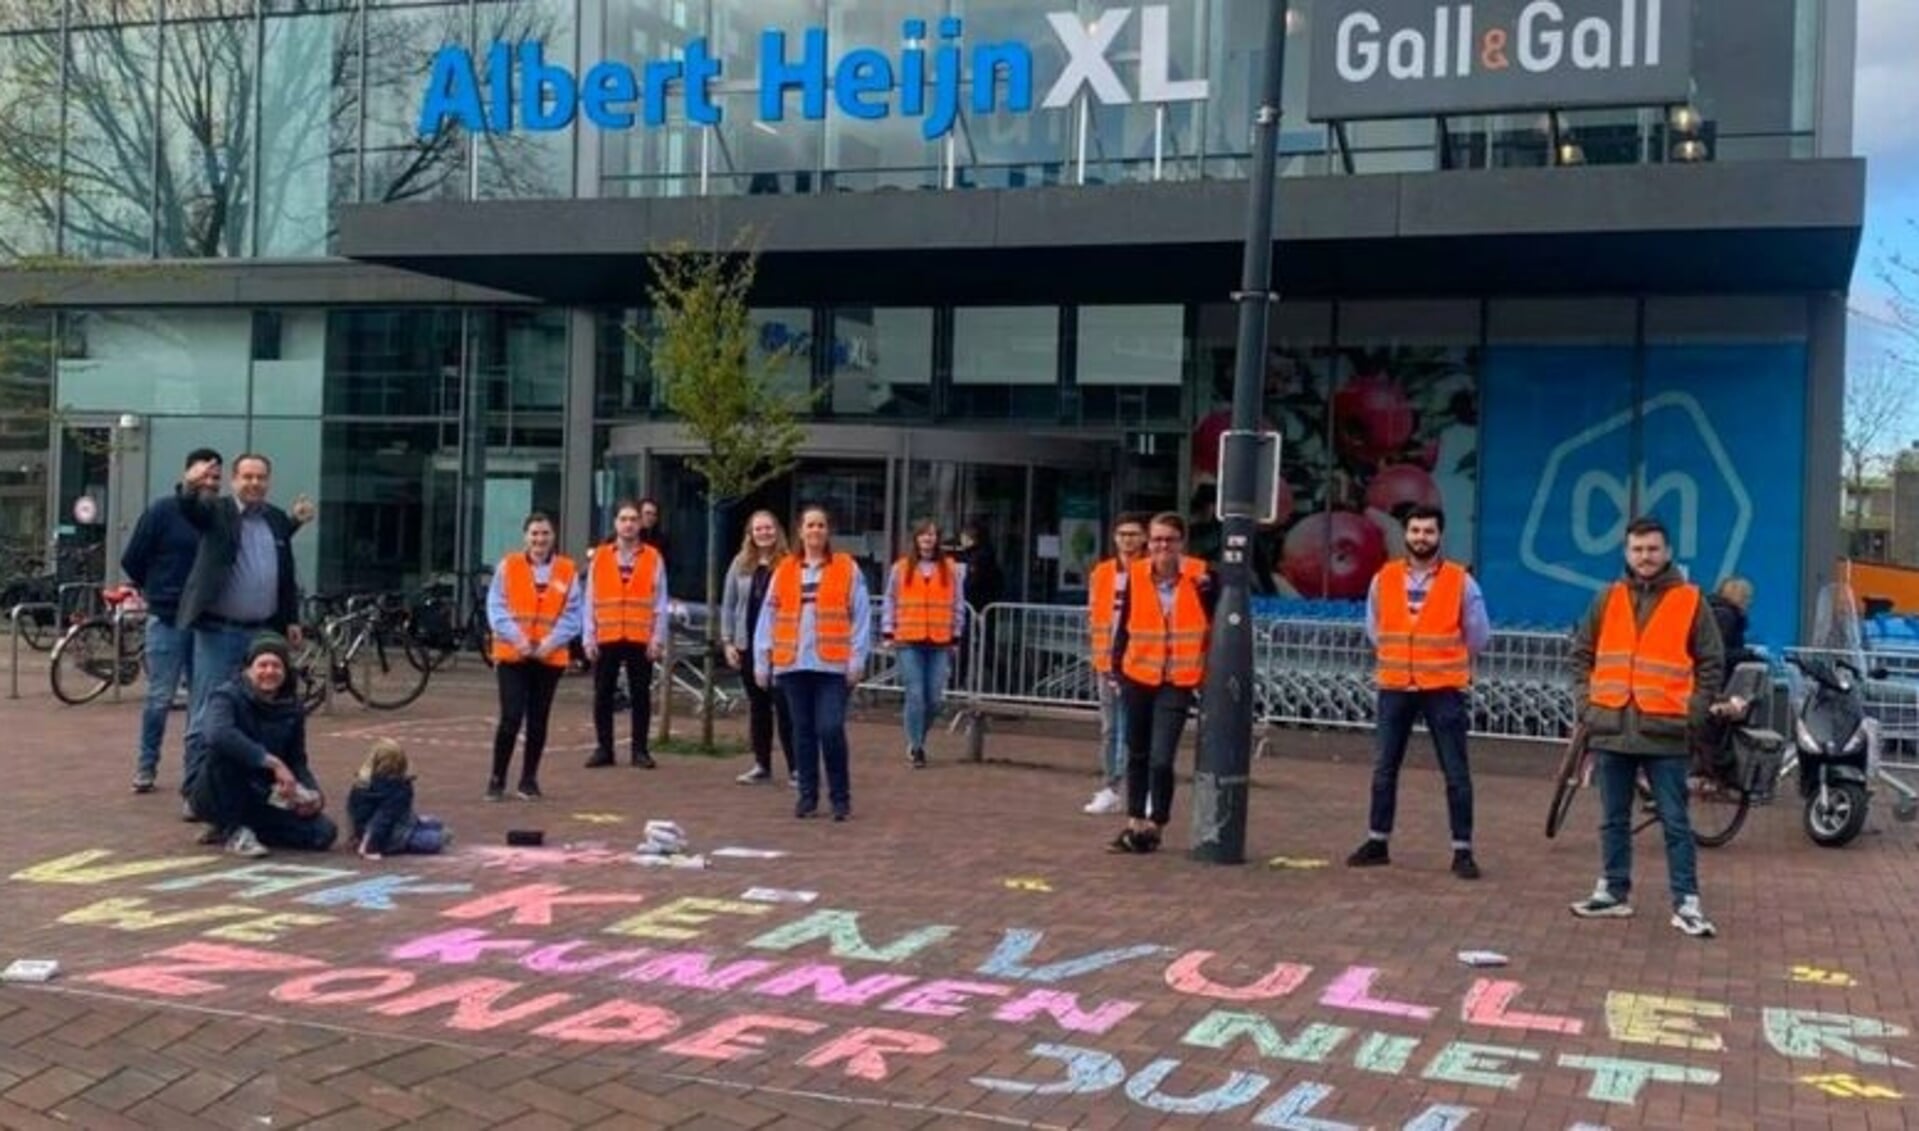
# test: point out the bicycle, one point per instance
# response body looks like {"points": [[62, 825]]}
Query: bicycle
{"points": [[84, 662], [1718, 808], [366, 650], [436, 627]]}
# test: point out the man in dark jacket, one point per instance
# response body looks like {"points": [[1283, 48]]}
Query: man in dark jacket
{"points": [[242, 583], [1647, 663], [1731, 603], [256, 789], [157, 560]]}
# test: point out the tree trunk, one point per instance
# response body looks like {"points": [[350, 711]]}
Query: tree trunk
{"points": [[712, 621]]}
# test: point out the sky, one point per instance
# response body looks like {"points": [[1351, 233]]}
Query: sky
{"points": [[1886, 133]]}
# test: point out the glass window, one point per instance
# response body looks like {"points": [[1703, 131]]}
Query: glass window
{"points": [[111, 73], [1236, 56], [309, 129], [882, 361], [1131, 363], [289, 362], [1126, 142], [26, 402], [528, 163], [522, 475], [736, 36], [890, 152], [520, 357], [32, 15], [188, 362], [206, 137], [651, 160], [389, 362], [389, 504], [1727, 318], [783, 341], [1006, 362], [1744, 59], [399, 164], [1002, 149], [623, 378], [29, 141], [754, 158]]}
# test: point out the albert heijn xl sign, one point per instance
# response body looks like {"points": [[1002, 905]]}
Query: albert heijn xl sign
{"points": [[1418, 58]]}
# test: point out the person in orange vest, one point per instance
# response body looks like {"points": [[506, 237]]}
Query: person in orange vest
{"points": [[533, 608], [922, 620], [1102, 605], [811, 643], [1159, 659], [624, 626], [1647, 662], [1427, 619]]}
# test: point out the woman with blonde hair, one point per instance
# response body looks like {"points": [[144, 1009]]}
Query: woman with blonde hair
{"points": [[922, 620], [762, 548], [813, 636]]}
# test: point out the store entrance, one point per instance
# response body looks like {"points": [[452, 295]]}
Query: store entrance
{"points": [[1038, 502]]}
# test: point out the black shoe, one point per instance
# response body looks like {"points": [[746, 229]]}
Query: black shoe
{"points": [[842, 815], [919, 758], [644, 761], [528, 791], [806, 812], [1464, 866], [599, 758], [1372, 854], [495, 790]]}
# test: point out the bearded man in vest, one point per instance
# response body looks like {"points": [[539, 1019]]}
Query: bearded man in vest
{"points": [[1647, 661], [1427, 619], [624, 626]]}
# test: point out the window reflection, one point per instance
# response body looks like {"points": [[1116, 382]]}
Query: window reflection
{"points": [[111, 74], [206, 138], [309, 128], [399, 164]]}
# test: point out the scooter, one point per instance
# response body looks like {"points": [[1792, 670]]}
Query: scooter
{"points": [[1837, 751]]}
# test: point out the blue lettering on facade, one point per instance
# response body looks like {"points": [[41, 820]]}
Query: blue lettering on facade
{"points": [[518, 88]]}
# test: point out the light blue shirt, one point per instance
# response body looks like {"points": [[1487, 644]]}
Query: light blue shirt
{"points": [[252, 592], [889, 609], [808, 659], [589, 630], [1472, 617], [507, 629]]}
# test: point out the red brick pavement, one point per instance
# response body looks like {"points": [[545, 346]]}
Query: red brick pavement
{"points": [[1321, 994]]}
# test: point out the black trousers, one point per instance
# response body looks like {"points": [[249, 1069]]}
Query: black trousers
{"points": [[1155, 719], [232, 795], [639, 691], [526, 696], [766, 714]]}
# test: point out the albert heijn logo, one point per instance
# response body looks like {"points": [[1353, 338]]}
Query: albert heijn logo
{"points": [[1577, 522], [1394, 58]]}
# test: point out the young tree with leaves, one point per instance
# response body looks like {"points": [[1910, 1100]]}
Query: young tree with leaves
{"points": [[701, 345]]}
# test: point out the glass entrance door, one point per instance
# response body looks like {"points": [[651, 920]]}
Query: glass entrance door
{"points": [[102, 470]]}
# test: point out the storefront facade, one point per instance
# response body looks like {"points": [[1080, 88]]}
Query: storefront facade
{"points": [[1547, 320]]}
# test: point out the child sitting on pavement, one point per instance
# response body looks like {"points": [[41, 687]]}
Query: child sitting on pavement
{"points": [[381, 808]]}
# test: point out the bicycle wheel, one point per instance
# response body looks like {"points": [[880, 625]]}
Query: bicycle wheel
{"points": [[383, 671], [1718, 811], [481, 634], [1571, 770], [310, 671], [83, 663], [40, 630]]}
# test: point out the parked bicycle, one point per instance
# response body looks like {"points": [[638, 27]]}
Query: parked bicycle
{"points": [[439, 631], [101, 650], [361, 645]]}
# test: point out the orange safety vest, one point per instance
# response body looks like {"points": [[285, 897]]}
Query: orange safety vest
{"points": [[1650, 668], [924, 612], [1102, 605], [1427, 653], [832, 610], [535, 608], [1158, 652], [623, 609]]}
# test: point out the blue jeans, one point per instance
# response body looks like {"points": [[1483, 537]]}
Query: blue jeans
{"points": [[218, 653], [1112, 733], [923, 669], [169, 657], [1445, 713], [817, 703], [1616, 798]]}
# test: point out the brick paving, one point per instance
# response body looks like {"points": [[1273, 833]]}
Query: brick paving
{"points": [[992, 963]]}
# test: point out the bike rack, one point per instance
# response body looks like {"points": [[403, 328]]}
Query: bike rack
{"points": [[14, 617]]}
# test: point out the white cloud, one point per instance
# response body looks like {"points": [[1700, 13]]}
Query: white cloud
{"points": [[1885, 122]]}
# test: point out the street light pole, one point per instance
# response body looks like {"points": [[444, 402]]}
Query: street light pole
{"points": [[1226, 706]]}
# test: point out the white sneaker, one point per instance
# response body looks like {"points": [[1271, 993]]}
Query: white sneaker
{"points": [[244, 843], [1104, 802], [1691, 920]]}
